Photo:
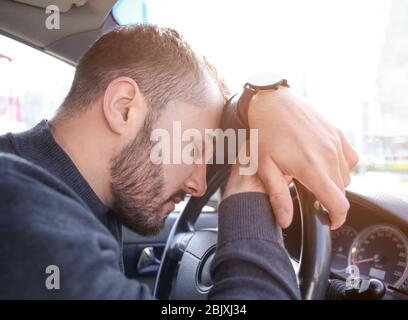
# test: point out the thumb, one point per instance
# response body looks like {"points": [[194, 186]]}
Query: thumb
{"points": [[278, 191]]}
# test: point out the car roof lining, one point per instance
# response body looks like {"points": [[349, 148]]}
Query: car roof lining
{"points": [[80, 25], [63, 5]]}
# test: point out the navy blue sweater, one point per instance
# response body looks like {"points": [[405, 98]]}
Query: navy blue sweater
{"points": [[49, 215]]}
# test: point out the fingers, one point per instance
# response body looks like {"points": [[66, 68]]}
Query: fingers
{"points": [[327, 182], [277, 188], [344, 169], [336, 203], [328, 187], [349, 153], [331, 197]]}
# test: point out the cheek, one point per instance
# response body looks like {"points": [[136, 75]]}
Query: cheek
{"points": [[174, 176]]}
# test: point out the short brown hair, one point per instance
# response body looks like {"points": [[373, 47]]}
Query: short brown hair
{"points": [[162, 64]]}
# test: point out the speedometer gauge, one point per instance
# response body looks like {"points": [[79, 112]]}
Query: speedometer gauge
{"points": [[381, 252], [341, 242]]}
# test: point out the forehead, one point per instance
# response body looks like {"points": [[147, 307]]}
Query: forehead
{"points": [[201, 117], [189, 116]]}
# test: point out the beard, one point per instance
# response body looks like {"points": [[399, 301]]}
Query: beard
{"points": [[137, 186]]}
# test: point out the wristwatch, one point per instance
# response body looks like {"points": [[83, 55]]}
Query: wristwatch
{"points": [[256, 83]]}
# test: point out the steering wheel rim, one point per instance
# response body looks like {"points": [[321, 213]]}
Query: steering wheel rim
{"points": [[314, 266]]}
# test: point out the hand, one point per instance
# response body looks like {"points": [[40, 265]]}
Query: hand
{"points": [[239, 183], [295, 142]]}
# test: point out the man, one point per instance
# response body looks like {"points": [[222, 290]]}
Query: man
{"points": [[67, 185]]}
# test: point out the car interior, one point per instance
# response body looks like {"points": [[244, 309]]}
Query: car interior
{"points": [[369, 252]]}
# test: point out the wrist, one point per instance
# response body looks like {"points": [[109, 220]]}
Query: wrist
{"points": [[242, 183], [258, 85], [267, 99]]}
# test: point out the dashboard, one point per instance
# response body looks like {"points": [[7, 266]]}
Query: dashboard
{"points": [[374, 239], [373, 242], [375, 251]]}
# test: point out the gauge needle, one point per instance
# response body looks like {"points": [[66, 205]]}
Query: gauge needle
{"points": [[363, 260]]}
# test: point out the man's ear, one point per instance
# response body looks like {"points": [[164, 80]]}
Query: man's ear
{"points": [[123, 106]]}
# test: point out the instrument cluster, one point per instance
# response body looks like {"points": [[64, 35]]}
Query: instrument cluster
{"points": [[377, 251]]}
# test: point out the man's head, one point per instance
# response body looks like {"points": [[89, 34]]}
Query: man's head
{"points": [[131, 81]]}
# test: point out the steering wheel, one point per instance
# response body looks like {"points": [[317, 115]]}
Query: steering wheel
{"points": [[184, 271]]}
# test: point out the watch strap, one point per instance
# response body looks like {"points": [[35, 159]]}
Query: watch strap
{"points": [[247, 94]]}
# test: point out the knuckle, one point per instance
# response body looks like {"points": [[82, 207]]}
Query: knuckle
{"points": [[330, 153], [346, 180], [336, 137], [312, 163], [354, 159]]}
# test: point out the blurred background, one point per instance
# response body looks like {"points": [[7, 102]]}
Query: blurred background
{"points": [[348, 57]]}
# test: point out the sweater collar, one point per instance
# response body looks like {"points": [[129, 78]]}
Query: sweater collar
{"points": [[39, 146]]}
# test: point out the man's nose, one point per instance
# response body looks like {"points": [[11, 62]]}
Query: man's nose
{"points": [[196, 183]]}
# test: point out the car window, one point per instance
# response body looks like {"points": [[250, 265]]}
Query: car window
{"points": [[32, 85]]}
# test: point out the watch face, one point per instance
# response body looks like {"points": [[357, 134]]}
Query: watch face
{"points": [[264, 79]]}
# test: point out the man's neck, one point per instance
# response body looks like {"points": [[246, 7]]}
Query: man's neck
{"points": [[87, 150]]}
